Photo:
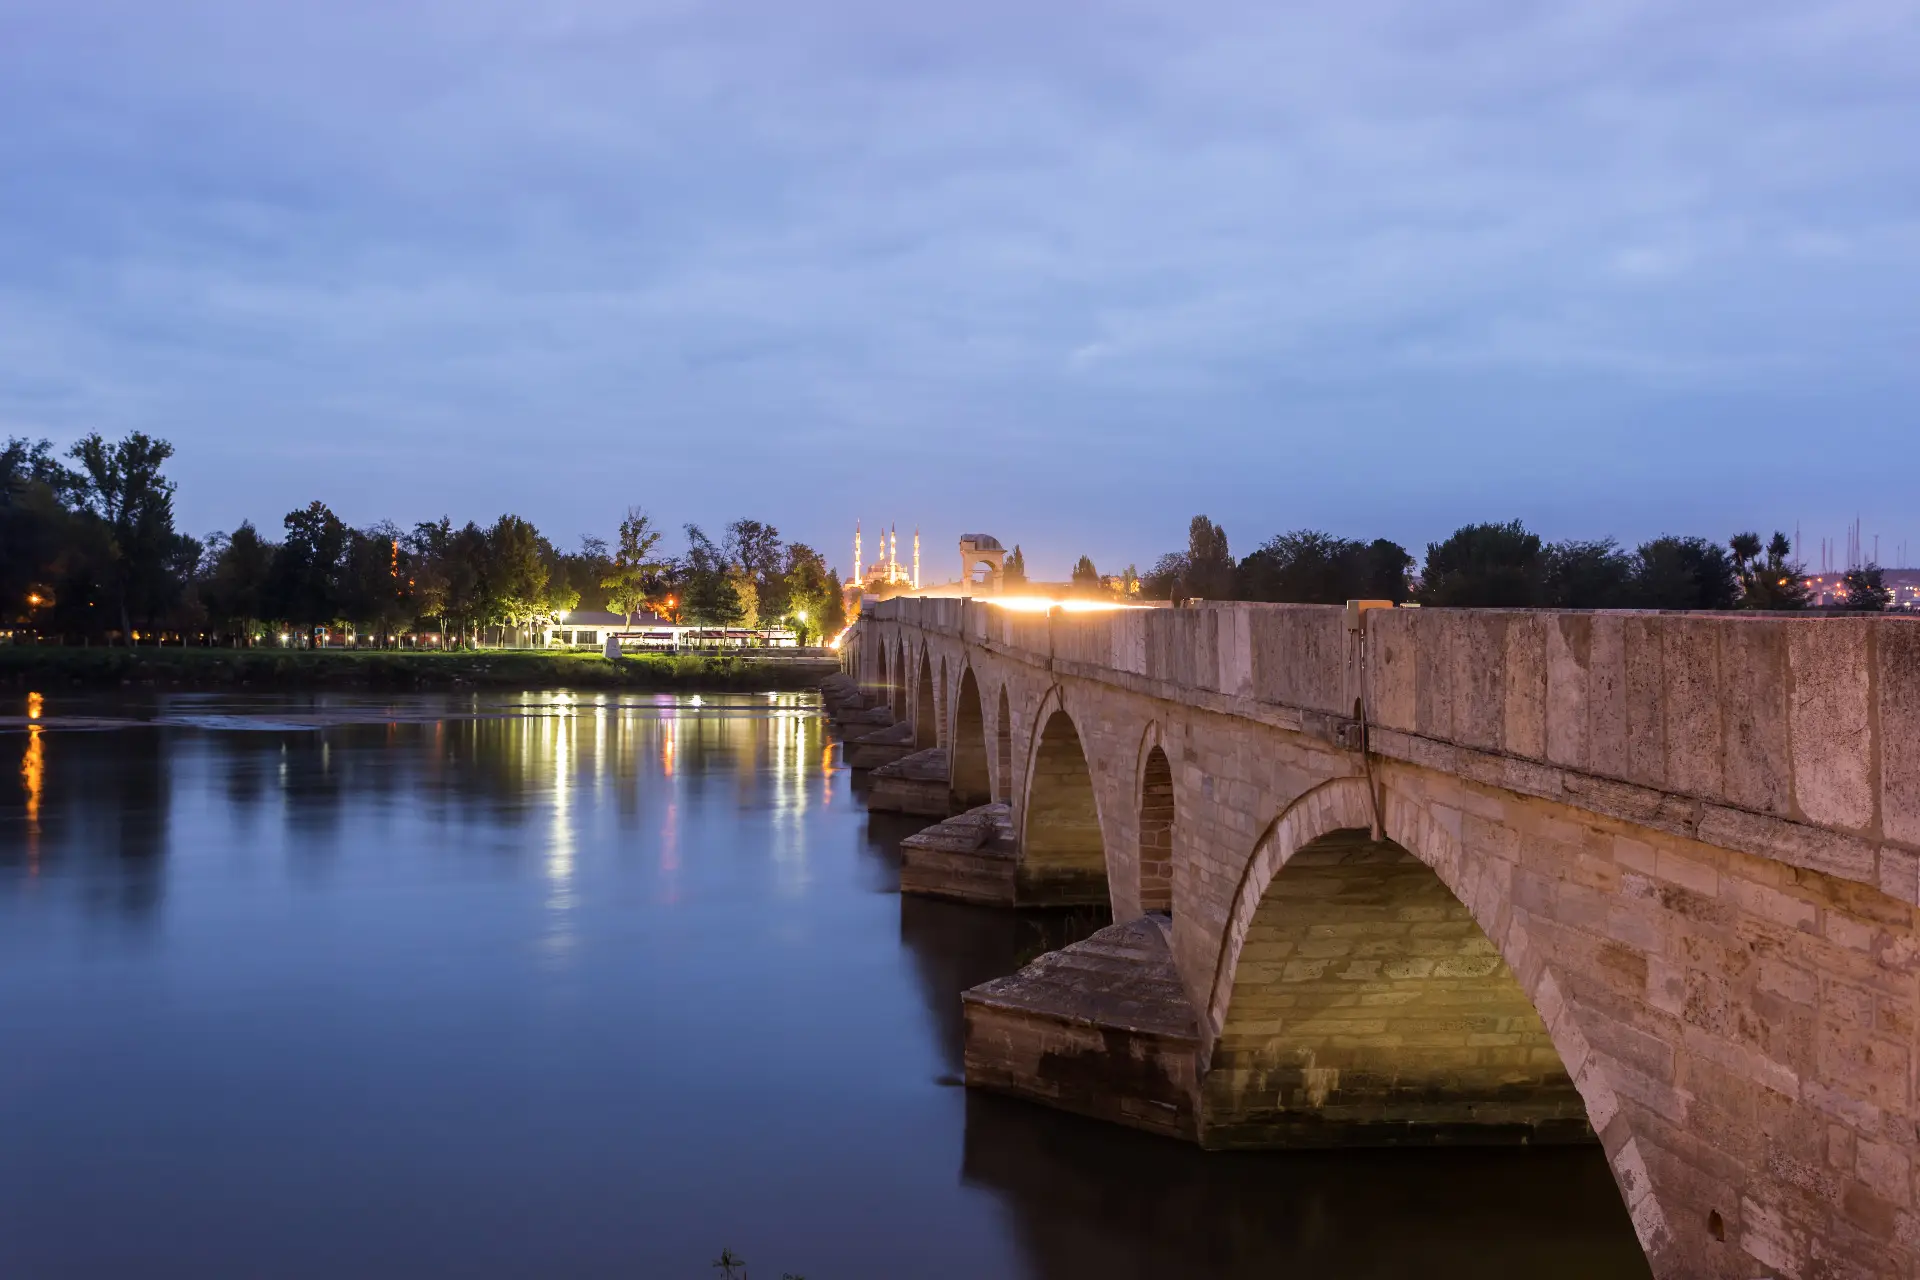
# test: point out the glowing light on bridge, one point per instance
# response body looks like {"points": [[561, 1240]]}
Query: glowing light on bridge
{"points": [[1045, 604]]}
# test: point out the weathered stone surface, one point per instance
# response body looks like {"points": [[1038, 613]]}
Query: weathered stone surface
{"points": [[838, 689], [881, 747], [971, 857], [1692, 842], [1102, 1028], [851, 714], [915, 784], [1899, 672], [1831, 728], [1370, 1010]]}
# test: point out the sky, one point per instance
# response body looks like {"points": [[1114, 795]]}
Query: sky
{"points": [[1066, 273]]}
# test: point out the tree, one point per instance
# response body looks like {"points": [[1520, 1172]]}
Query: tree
{"points": [[756, 552], [1013, 571], [634, 569], [306, 578], [1684, 573], [1204, 571], [1167, 579], [236, 588], [1086, 578], [1311, 567], [1770, 581], [1209, 563], [1497, 566], [428, 548], [470, 596], [1588, 575], [40, 542], [584, 572], [377, 582], [1866, 590], [755, 547], [812, 593], [709, 597], [1386, 572], [127, 493], [516, 572]]}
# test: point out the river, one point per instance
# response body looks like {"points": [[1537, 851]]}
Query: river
{"points": [[585, 986]]}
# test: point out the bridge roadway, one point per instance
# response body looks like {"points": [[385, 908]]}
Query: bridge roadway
{"points": [[1404, 875]]}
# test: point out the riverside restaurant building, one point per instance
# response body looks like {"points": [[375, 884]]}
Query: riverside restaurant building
{"points": [[649, 632]]}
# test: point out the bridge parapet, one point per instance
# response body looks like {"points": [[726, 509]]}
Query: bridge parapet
{"points": [[1797, 738]]}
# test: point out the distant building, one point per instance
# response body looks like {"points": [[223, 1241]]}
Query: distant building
{"points": [[1828, 590], [983, 562], [886, 569], [593, 628]]}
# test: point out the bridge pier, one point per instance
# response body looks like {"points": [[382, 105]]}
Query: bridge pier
{"points": [[975, 857], [915, 784], [1101, 1028], [880, 747]]}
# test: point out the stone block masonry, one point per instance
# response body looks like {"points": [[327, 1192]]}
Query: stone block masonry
{"points": [[1648, 875]]}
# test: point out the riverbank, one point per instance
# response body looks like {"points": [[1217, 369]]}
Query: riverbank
{"points": [[32, 666]]}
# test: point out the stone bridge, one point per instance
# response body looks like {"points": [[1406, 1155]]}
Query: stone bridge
{"points": [[1401, 876]]}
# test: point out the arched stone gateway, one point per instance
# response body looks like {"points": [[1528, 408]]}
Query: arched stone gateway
{"points": [[971, 784], [1156, 832], [1690, 843], [1063, 859]]}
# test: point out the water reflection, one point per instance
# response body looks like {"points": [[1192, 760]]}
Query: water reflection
{"points": [[33, 777], [583, 985]]}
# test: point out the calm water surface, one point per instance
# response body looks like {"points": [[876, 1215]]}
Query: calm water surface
{"points": [[517, 986]]}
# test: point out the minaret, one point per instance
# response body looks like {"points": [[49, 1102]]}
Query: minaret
{"points": [[859, 569], [916, 559], [893, 554]]}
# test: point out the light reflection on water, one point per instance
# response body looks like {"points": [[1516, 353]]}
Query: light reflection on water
{"points": [[575, 985]]}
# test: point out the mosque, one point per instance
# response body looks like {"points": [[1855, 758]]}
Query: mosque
{"points": [[886, 571], [982, 567]]}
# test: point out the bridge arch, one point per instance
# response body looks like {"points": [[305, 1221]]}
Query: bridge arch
{"points": [[1153, 863], [1063, 855], [897, 693], [970, 782], [1003, 749], [926, 731], [1319, 884], [942, 724]]}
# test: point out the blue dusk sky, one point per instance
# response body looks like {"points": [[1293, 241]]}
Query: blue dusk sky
{"points": [[1063, 272]]}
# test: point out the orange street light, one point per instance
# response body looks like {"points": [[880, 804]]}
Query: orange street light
{"points": [[34, 599]]}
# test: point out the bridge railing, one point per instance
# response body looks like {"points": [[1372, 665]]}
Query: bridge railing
{"points": [[1811, 721]]}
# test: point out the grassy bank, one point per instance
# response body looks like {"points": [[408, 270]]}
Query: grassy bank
{"points": [[51, 667]]}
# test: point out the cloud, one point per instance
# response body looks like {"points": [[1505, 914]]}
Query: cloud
{"points": [[784, 258]]}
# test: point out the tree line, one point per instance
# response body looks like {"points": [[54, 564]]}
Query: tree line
{"points": [[89, 552], [1498, 566]]}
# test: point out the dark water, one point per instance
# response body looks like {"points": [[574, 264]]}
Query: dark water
{"points": [[536, 986]]}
